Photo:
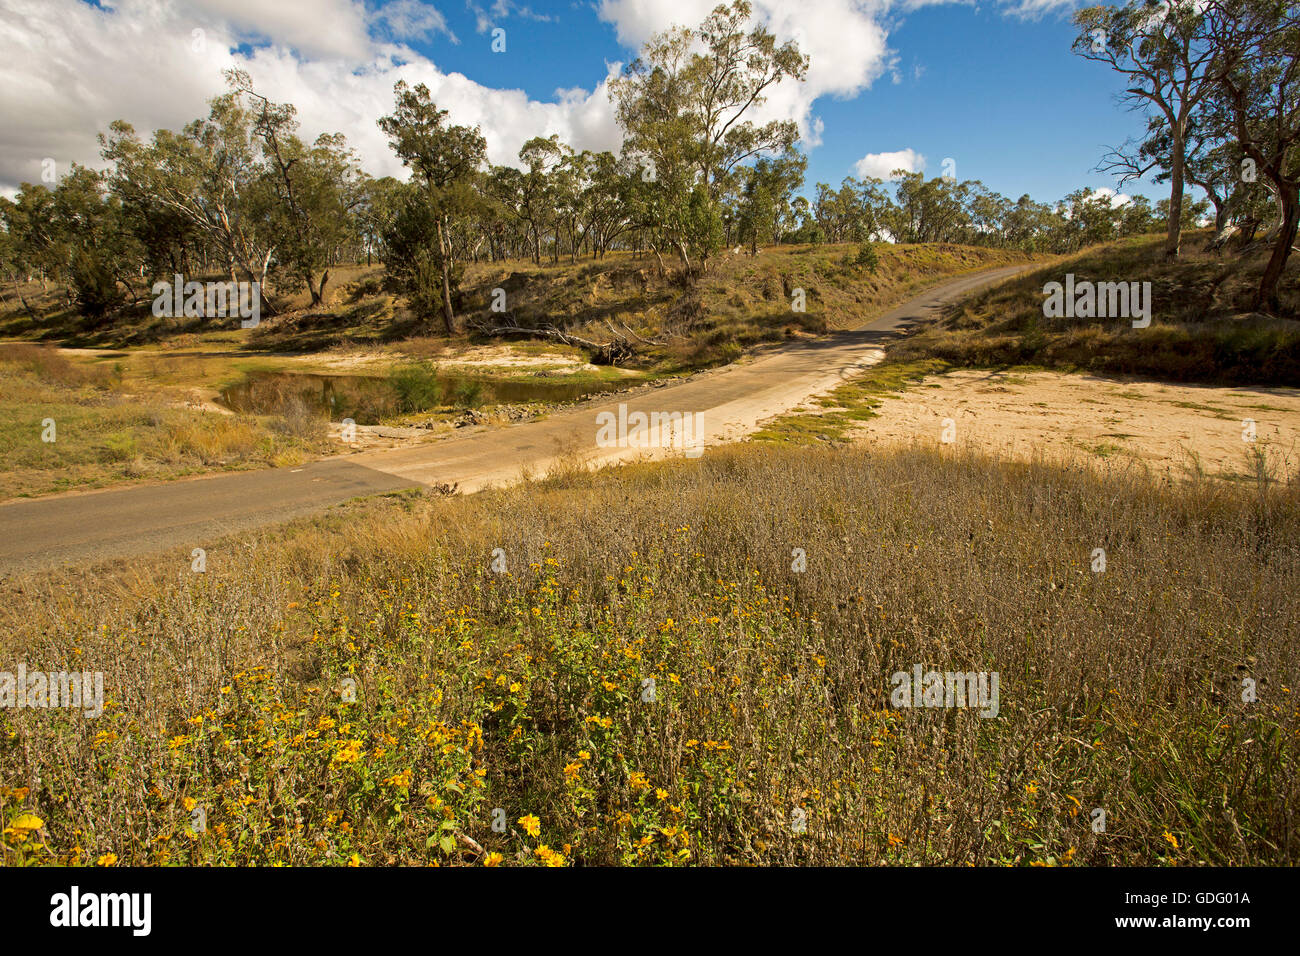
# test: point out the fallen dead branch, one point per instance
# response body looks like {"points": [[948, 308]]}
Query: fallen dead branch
{"points": [[614, 352]]}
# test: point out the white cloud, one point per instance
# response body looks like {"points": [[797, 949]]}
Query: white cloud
{"points": [[327, 28], [1034, 9], [413, 20], [882, 165], [485, 20], [70, 69], [1117, 199]]}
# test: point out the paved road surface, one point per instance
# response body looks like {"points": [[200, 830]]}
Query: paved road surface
{"points": [[728, 403]]}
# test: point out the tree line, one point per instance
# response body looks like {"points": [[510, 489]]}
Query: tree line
{"points": [[240, 193]]}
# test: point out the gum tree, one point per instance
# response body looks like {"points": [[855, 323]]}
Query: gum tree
{"points": [[684, 105], [1257, 73], [212, 177], [316, 188], [1164, 55], [445, 161]]}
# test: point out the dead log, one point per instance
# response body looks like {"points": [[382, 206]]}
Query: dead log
{"points": [[614, 352]]}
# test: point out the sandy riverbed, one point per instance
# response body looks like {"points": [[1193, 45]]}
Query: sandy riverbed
{"points": [[1170, 429]]}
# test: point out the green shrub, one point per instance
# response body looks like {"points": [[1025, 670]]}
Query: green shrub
{"points": [[95, 285], [469, 394], [867, 257], [416, 386]]}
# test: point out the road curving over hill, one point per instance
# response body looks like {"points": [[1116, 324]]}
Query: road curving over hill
{"points": [[726, 404]]}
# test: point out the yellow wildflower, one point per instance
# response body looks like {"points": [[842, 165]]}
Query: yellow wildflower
{"points": [[549, 857]]}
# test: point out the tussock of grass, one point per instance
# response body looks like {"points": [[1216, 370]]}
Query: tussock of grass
{"points": [[524, 691], [1201, 329]]}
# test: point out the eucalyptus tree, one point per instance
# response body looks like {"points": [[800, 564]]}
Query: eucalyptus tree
{"points": [[605, 207], [1257, 76], [212, 177], [684, 105], [1163, 52], [445, 161], [765, 209], [541, 156], [316, 188]]}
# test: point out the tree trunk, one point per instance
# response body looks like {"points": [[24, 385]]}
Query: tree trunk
{"points": [[261, 281], [30, 311], [681, 253], [1266, 299], [448, 317], [1174, 236]]}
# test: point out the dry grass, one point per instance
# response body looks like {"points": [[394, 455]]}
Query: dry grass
{"points": [[105, 434], [740, 301], [523, 692], [1201, 327]]}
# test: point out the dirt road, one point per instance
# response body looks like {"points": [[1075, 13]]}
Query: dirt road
{"points": [[726, 404]]}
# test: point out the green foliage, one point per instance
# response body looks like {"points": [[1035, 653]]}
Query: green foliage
{"points": [[417, 387], [867, 257], [683, 105], [94, 283], [469, 394], [410, 253], [445, 160]]}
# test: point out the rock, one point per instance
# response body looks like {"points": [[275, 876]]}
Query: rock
{"points": [[471, 417]]}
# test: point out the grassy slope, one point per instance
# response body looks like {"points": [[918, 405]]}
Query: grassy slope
{"points": [[741, 302], [1200, 330], [524, 691]]}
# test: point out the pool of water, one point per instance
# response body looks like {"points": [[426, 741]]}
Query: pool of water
{"points": [[367, 399]]}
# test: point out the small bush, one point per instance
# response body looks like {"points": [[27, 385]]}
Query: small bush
{"points": [[416, 386], [95, 285], [469, 394], [298, 419], [867, 257]]}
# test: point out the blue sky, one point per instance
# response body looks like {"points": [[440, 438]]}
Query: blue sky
{"points": [[998, 91], [1001, 95]]}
